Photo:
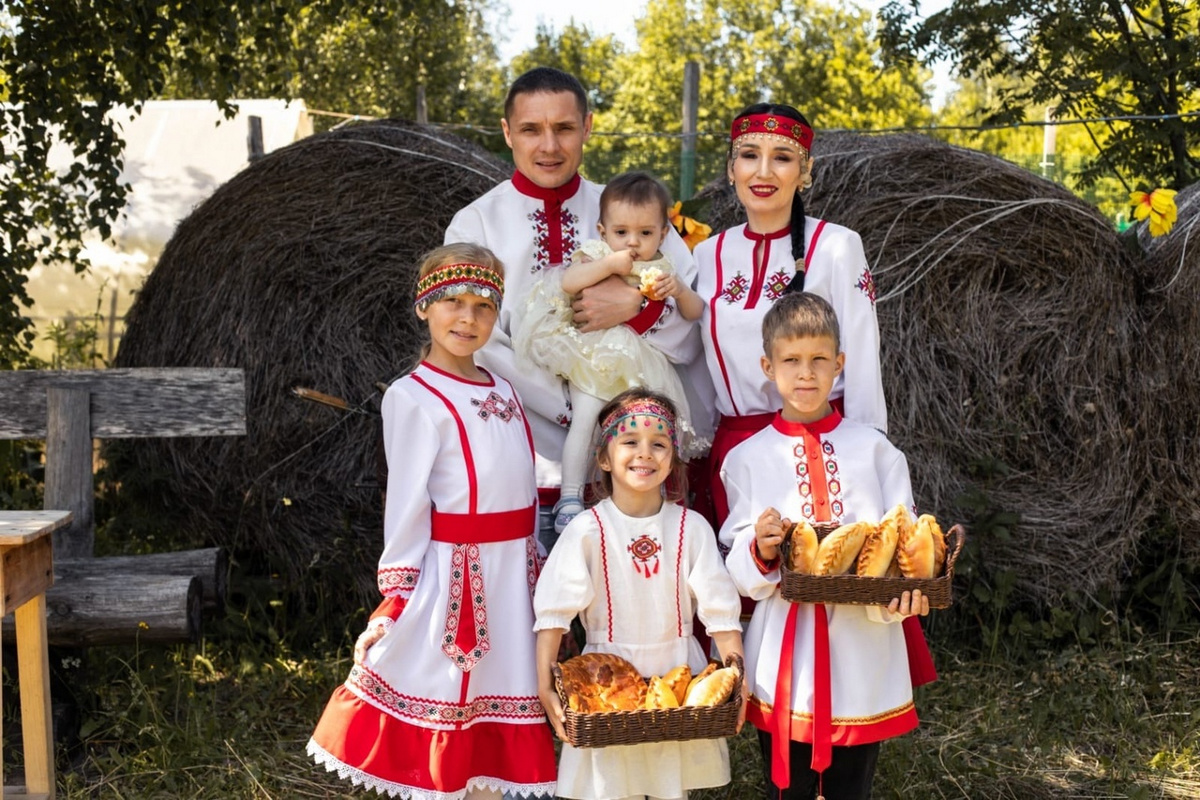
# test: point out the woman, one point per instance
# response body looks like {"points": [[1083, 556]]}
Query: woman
{"points": [[743, 270]]}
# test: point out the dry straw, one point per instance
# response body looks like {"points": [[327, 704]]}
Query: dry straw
{"points": [[1007, 312], [300, 270]]}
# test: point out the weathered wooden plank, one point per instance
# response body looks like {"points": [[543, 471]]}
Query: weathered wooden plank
{"points": [[69, 469], [131, 403], [209, 564], [120, 609], [19, 527], [26, 571]]}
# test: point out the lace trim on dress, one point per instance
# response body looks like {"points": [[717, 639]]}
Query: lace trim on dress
{"points": [[392, 789]]}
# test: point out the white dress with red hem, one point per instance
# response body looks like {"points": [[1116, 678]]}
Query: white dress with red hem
{"points": [[861, 477], [446, 700], [636, 584]]}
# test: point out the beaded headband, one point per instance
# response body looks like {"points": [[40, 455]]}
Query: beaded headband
{"points": [[624, 418], [455, 279], [772, 125]]}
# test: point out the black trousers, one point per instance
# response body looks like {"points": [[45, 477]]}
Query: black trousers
{"points": [[848, 776]]}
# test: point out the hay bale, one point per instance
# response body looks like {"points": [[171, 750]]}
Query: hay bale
{"points": [[1008, 320], [1170, 363], [300, 270]]}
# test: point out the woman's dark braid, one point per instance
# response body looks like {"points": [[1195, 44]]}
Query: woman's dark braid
{"points": [[797, 223]]}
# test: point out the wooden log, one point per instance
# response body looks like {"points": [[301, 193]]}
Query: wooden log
{"points": [[130, 403], [114, 609], [69, 468], [209, 564]]}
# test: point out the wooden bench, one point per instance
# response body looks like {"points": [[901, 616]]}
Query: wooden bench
{"points": [[119, 600]]}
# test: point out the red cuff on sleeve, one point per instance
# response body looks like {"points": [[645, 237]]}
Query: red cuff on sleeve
{"points": [[391, 607], [763, 566], [647, 316]]}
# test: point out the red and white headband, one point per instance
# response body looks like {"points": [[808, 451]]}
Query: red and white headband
{"points": [[754, 125], [455, 279]]}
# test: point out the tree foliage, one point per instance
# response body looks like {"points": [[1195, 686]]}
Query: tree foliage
{"points": [[66, 65], [576, 50], [1096, 59], [816, 56]]}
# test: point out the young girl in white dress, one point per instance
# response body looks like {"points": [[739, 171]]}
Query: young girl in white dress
{"points": [[637, 568], [600, 364], [441, 702]]}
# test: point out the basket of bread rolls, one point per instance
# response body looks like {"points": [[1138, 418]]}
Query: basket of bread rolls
{"points": [[867, 563], [607, 702]]}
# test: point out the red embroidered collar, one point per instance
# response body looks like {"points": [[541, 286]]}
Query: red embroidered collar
{"points": [[560, 194], [758, 237], [823, 425]]}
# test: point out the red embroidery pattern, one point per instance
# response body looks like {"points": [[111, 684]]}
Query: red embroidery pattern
{"points": [[833, 483], [569, 224], [497, 406], [533, 564], [736, 290], [776, 284], [395, 581], [370, 686], [604, 564], [645, 549], [466, 647], [679, 575], [866, 284]]}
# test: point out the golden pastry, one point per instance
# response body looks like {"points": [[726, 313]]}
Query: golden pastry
{"points": [[802, 557], [659, 694], [915, 552], [939, 541], [713, 689], [678, 679], [709, 669], [879, 548], [838, 551], [648, 277]]}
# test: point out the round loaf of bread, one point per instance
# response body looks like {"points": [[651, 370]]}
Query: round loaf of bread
{"points": [[602, 682]]}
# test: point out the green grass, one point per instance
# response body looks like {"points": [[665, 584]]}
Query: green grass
{"points": [[230, 718]]}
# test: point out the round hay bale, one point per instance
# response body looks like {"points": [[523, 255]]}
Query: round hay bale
{"points": [[301, 271], [1008, 320], [1171, 359]]}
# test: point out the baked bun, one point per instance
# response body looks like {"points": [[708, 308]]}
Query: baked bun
{"points": [[602, 682], [709, 669], [648, 277], [802, 557], [659, 694], [678, 679], [838, 551], [713, 689], [915, 552], [880, 545], [939, 541]]}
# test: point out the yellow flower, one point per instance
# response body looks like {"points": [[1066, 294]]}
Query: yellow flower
{"points": [[1158, 205], [692, 231]]}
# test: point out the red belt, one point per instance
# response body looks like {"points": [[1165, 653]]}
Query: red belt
{"points": [[498, 526]]}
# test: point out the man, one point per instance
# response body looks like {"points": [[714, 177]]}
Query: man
{"points": [[537, 219]]}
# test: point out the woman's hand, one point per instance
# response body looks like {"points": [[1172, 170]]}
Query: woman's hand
{"points": [[910, 604], [768, 534], [365, 639]]}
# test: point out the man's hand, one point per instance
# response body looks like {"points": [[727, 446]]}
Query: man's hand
{"points": [[609, 303]]}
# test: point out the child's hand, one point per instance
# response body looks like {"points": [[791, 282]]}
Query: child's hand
{"points": [[768, 534], [910, 604], [666, 286], [621, 262], [554, 711], [365, 639]]}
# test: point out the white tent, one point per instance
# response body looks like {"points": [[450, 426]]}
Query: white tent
{"points": [[177, 152]]}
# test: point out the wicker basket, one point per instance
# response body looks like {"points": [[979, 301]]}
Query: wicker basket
{"points": [[856, 590], [608, 728]]}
